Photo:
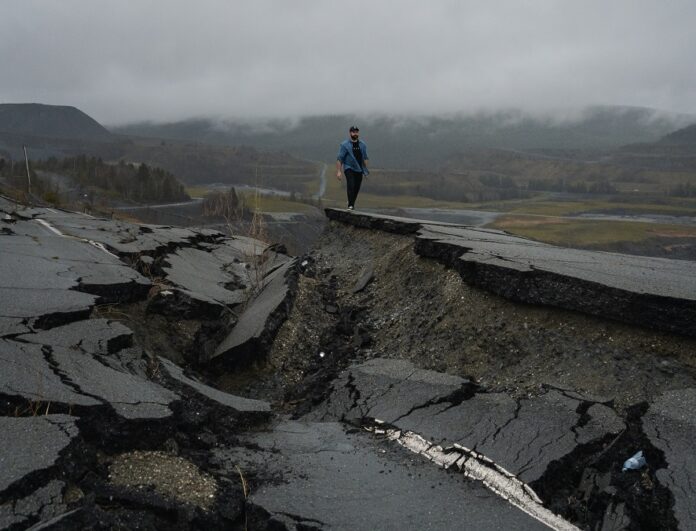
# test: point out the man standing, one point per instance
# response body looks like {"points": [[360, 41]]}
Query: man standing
{"points": [[352, 162]]}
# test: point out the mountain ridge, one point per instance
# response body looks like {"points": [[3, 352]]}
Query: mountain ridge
{"points": [[51, 121]]}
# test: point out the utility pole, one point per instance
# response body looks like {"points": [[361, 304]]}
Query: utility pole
{"points": [[26, 161]]}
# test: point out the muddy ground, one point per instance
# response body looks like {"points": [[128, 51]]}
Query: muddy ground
{"points": [[416, 309]]}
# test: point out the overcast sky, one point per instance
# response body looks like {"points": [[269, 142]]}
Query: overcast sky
{"points": [[123, 61]]}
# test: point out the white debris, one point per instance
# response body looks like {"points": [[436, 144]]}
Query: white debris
{"points": [[635, 462], [322, 354]]}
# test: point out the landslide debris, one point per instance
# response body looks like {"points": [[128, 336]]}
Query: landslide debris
{"points": [[418, 310]]}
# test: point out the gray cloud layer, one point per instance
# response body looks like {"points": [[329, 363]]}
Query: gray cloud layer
{"points": [[170, 59]]}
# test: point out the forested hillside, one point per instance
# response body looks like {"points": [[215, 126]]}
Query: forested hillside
{"points": [[140, 183]]}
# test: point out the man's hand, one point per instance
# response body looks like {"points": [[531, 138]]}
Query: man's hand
{"points": [[338, 175]]}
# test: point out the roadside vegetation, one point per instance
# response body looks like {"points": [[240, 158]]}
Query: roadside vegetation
{"points": [[264, 203]]}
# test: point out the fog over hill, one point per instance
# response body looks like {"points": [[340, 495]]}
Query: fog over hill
{"points": [[224, 150], [425, 141]]}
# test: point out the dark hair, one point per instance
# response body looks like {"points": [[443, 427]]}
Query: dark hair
{"points": [[353, 128]]}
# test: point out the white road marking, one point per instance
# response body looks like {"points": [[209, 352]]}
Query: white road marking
{"points": [[479, 467], [49, 226], [98, 245]]}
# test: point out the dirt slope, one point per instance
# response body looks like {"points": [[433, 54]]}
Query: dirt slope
{"points": [[416, 309]]}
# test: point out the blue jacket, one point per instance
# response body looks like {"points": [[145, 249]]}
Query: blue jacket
{"points": [[345, 155]]}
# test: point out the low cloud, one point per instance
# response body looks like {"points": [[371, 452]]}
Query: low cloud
{"points": [[169, 60]]}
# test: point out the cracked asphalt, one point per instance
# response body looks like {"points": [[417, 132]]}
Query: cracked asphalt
{"points": [[378, 382], [556, 397]]}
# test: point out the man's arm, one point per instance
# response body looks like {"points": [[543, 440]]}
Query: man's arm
{"points": [[339, 169], [366, 157]]}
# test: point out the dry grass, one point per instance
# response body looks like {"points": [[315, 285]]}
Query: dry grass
{"points": [[245, 485], [574, 232], [33, 408]]}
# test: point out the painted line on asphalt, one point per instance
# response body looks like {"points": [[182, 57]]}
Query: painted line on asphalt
{"points": [[478, 467], [53, 229]]}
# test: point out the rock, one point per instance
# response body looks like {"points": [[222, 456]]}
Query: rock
{"points": [[365, 278]]}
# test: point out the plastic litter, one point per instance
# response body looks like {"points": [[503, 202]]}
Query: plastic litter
{"points": [[322, 354], [635, 462]]}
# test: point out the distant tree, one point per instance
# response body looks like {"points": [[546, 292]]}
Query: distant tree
{"points": [[143, 183], [602, 187]]}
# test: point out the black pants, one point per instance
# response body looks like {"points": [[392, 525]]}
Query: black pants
{"points": [[353, 182]]}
